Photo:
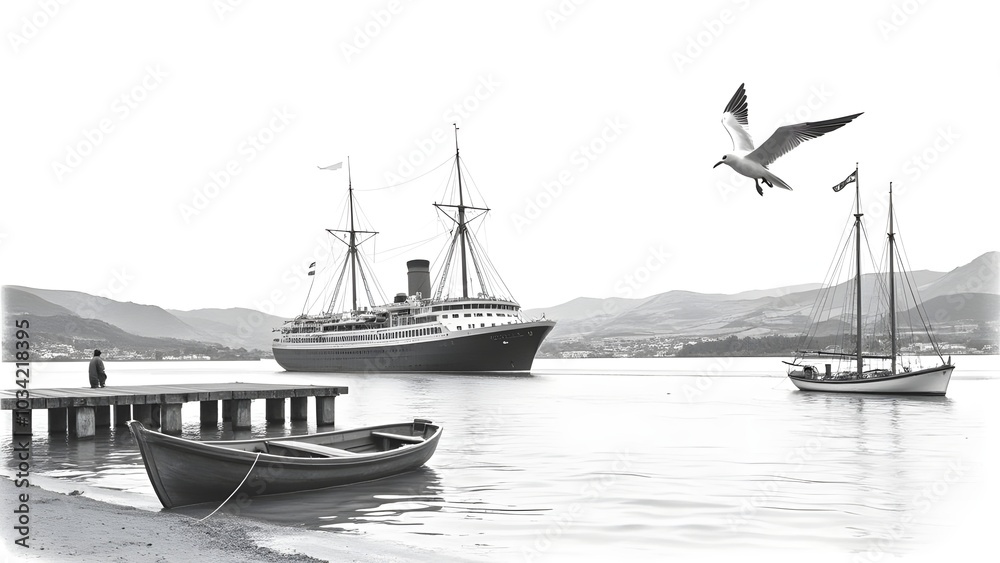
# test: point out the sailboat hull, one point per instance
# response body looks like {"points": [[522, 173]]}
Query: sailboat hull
{"points": [[502, 349], [932, 381]]}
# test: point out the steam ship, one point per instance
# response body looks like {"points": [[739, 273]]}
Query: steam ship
{"points": [[435, 327]]}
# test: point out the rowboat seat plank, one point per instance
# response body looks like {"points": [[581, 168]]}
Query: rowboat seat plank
{"points": [[400, 437], [311, 448]]}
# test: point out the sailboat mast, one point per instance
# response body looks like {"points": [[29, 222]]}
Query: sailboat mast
{"points": [[892, 284], [461, 219], [352, 247], [857, 237]]}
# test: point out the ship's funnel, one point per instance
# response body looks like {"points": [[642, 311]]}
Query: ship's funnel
{"points": [[418, 273]]}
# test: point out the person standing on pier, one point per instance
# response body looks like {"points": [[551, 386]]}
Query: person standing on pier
{"points": [[97, 374]]}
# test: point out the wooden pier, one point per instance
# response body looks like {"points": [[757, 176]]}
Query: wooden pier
{"points": [[80, 411]]}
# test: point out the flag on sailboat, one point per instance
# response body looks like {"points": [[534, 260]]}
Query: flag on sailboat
{"points": [[852, 178], [312, 269], [331, 167]]}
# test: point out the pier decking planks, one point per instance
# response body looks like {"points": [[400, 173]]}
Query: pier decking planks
{"points": [[86, 399]]}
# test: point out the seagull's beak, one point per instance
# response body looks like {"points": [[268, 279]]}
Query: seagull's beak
{"points": [[717, 164]]}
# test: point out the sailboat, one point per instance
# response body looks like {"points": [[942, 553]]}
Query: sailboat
{"points": [[857, 356], [471, 326]]}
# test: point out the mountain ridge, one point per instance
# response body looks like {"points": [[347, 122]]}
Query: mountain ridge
{"points": [[776, 311], [967, 294], [70, 321]]}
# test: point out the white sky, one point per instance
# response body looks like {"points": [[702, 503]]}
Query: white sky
{"points": [[533, 87]]}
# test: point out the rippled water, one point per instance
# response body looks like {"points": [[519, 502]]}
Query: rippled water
{"points": [[610, 459]]}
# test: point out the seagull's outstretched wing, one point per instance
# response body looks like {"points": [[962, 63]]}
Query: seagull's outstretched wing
{"points": [[734, 119], [788, 137]]}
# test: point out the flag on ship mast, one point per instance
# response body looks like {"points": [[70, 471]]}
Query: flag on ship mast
{"points": [[852, 178], [312, 269], [331, 167]]}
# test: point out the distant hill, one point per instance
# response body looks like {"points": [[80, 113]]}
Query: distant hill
{"points": [[17, 301], [71, 322], [982, 275], [236, 327], [141, 320], [967, 293], [963, 307]]}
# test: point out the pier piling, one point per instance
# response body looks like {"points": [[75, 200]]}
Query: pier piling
{"points": [[80, 411], [299, 408], [123, 414], [241, 414], [57, 420], [209, 413], [82, 423], [102, 417], [170, 418], [143, 413], [324, 411], [274, 410]]}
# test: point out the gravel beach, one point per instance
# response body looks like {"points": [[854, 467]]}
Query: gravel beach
{"points": [[67, 525]]}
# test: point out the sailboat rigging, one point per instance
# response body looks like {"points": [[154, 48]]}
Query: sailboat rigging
{"points": [[851, 375]]}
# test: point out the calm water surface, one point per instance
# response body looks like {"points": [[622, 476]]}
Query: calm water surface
{"points": [[608, 459]]}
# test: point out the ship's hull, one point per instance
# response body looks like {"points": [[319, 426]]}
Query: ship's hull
{"points": [[502, 349], [932, 381]]}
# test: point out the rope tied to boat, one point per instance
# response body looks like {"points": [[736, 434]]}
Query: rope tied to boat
{"points": [[234, 490]]}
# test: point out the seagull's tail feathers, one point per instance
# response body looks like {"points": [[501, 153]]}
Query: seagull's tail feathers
{"points": [[778, 182]]}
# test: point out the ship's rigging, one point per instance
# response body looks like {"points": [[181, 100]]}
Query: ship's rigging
{"points": [[462, 269]]}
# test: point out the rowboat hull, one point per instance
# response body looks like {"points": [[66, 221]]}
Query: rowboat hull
{"points": [[932, 381], [185, 472]]}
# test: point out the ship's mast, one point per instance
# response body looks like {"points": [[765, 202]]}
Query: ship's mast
{"points": [[461, 219], [857, 236], [352, 244], [462, 224], [892, 284]]}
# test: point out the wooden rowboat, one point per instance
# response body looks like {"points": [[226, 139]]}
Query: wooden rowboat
{"points": [[187, 472]]}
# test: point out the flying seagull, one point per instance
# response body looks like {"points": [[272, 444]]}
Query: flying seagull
{"points": [[753, 163]]}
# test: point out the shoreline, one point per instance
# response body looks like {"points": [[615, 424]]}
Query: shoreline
{"points": [[67, 524]]}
